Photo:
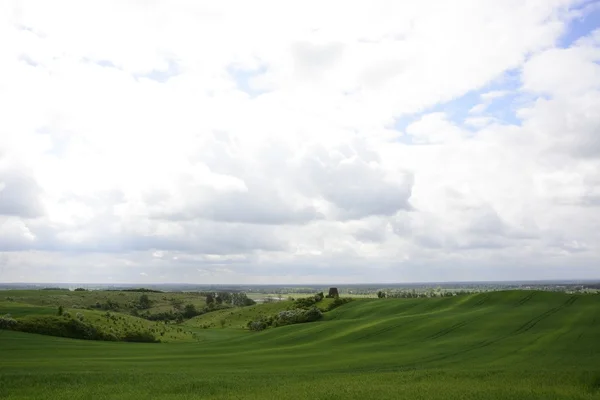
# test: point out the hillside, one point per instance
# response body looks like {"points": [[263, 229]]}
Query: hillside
{"points": [[239, 317], [39, 319], [105, 300], [500, 345]]}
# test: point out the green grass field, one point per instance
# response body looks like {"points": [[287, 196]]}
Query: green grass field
{"points": [[499, 345]]}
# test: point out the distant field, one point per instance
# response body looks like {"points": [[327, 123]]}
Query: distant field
{"points": [[84, 299], [498, 345]]}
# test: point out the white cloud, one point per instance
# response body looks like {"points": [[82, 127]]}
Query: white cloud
{"points": [[191, 141]]}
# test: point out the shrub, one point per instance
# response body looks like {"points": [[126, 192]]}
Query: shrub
{"points": [[144, 302], [60, 310], [305, 302], [288, 317], [63, 327], [140, 336], [7, 322], [312, 314], [189, 311], [257, 325], [338, 302]]}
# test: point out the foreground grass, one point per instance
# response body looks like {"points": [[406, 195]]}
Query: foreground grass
{"points": [[503, 345]]}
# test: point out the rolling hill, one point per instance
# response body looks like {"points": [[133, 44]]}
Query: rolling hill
{"points": [[496, 345]]}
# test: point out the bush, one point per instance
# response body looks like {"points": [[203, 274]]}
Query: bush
{"points": [[63, 327], [144, 302], [288, 317], [189, 311], [139, 336], [312, 314], [257, 325], [338, 302], [7, 322]]}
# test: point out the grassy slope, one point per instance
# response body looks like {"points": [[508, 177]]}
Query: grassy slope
{"points": [[126, 300], [239, 317], [118, 324], [502, 345]]}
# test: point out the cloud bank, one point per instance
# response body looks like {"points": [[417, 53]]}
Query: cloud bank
{"points": [[263, 142]]}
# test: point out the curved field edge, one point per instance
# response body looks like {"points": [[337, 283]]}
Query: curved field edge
{"points": [[502, 345], [45, 319]]}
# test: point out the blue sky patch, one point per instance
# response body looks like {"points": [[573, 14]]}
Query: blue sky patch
{"points": [[243, 77], [583, 25]]}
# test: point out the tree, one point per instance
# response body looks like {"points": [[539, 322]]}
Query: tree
{"points": [[381, 294], [210, 299], [223, 297], [241, 300], [333, 292], [189, 311], [60, 310], [144, 302]]}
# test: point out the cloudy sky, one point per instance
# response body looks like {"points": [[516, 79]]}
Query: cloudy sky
{"points": [[299, 142]]}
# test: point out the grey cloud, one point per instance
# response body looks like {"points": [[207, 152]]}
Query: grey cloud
{"points": [[19, 195], [107, 234], [486, 221], [260, 205], [358, 189], [310, 59], [373, 231]]}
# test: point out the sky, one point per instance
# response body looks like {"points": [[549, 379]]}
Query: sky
{"points": [[299, 142]]}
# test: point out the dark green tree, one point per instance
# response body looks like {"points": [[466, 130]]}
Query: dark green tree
{"points": [[210, 299], [189, 311], [144, 302]]}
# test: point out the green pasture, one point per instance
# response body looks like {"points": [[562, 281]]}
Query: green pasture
{"points": [[497, 345]]}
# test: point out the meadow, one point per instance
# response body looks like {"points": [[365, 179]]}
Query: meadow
{"points": [[496, 345]]}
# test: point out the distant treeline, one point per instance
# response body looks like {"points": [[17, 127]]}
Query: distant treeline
{"points": [[592, 286], [138, 290]]}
